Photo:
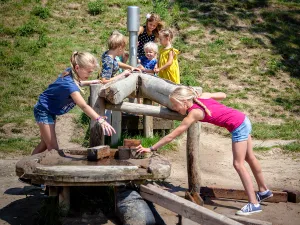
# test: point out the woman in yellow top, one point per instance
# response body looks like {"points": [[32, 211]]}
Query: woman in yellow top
{"points": [[168, 67]]}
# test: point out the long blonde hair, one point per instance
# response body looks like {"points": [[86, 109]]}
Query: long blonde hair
{"points": [[190, 94], [83, 60]]}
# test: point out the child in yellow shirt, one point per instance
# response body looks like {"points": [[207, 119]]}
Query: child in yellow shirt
{"points": [[168, 67]]}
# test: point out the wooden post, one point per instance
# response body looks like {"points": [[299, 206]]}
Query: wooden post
{"points": [[64, 199], [148, 121], [98, 104], [116, 122], [193, 159]]}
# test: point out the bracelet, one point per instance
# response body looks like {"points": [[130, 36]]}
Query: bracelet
{"points": [[100, 118], [152, 149]]}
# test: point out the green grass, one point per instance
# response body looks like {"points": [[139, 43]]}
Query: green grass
{"points": [[20, 145], [293, 147], [287, 131], [252, 45]]}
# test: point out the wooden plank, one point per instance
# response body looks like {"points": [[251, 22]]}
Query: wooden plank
{"points": [[149, 110], [249, 221], [183, 207], [98, 152], [214, 192], [193, 158]]}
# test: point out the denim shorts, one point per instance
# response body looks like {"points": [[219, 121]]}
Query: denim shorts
{"points": [[42, 115], [242, 132]]}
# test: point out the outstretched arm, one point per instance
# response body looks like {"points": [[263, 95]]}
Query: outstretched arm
{"points": [[78, 99], [216, 95], [194, 116]]}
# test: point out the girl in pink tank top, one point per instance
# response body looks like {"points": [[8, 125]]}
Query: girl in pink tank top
{"points": [[207, 108]]}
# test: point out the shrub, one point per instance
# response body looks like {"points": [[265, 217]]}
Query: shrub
{"points": [[95, 7], [40, 11]]}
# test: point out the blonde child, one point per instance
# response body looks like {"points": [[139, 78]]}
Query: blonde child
{"points": [[110, 65], [61, 96], [168, 67], [206, 108], [148, 62], [149, 32]]}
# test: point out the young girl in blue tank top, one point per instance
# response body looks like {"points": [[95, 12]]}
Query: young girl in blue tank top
{"points": [[61, 96]]}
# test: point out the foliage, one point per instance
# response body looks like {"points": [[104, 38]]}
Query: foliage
{"points": [[40, 11], [96, 7]]}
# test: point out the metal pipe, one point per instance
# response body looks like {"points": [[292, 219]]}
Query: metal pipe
{"points": [[133, 25]]}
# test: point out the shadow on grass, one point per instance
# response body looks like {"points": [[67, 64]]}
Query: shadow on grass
{"points": [[278, 22]]}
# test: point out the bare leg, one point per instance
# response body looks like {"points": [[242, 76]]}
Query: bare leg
{"points": [[255, 166], [48, 138], [239, 150]]}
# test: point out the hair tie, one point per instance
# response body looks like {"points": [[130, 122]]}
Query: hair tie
{"points": [[148, 16]]}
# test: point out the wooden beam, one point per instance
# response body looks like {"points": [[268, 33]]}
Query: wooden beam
{"points": [[148, 110], [148, 121], [193, 158], [116, 122], [214, 192], [98, 104], [183, 207]]}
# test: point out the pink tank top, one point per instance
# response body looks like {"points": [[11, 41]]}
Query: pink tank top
{"points": [[221, 115]]}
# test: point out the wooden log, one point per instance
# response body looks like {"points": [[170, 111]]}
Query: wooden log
{"points": [[156, 89], [99, 152], [148, 121], [116, 122], [215, 192], [115, 92], [193, 159], [183, 207], [98, 104], [148, 110]]}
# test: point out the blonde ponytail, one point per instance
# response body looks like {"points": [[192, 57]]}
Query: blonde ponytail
{"points": [[188, 93]]}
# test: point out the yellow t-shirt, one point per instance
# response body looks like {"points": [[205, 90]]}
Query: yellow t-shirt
{"points": [[172, 72]]}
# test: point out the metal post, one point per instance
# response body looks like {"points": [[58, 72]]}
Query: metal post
{"points": [[133, 25]]}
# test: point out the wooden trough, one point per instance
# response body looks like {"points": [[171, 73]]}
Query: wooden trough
{"points": [[62, 169]]}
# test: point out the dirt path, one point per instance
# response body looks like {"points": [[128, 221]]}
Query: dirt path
{"points": [[281, 171]]}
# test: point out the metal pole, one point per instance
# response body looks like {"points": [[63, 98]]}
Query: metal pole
{"points": [[133, 25]]}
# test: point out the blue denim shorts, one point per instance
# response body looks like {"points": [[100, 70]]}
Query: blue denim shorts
{"points": [[42, 115], [242, 132]]}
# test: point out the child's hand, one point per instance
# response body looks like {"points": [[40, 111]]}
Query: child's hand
{"points": [[141, 149], [127, 72], [156, 70], [135, 69], [107, 128]]}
